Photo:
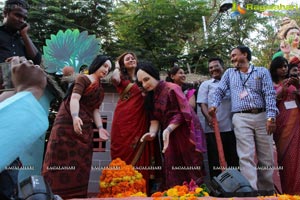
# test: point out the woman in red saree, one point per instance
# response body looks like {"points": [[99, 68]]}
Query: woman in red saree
{"points": [[130, 120], [182, 135], [287, 134], [68, 157]]}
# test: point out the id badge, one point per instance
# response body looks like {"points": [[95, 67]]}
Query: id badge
{"points": [[290, 104], [243, 94]]}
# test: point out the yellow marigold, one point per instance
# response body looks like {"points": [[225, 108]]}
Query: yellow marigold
{"points": [[139, 194], [172, 192], [205, 194], [296, 197], [198, 190]]}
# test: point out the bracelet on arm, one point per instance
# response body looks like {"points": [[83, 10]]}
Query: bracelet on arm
{"points": [[169, 129], [74, 114], [100, 126]]}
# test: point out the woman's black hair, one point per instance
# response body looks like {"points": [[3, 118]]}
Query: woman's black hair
{"points": [[148, 67], [275, 64], [291, 66], [171, 73], [98, 62]]}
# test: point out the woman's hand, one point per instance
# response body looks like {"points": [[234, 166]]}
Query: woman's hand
{"points": [[103, 134], [294, 81], [148, 136], [166, 135], [77, 123]]}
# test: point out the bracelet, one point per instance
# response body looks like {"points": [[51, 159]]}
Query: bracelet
{"points": [[100, 126], [169, 129], [74, 114]]}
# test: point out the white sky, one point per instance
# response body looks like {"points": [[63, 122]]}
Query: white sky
{"points": [[286, 2]]}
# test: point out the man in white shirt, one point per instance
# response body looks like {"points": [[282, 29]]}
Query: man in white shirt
{"points": [[224, 116]]}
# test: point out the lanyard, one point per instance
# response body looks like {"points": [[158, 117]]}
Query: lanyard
{"points": [[247, 76]]}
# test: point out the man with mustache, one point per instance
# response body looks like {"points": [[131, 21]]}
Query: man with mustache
{"points": [[253, 104], [224, 116], [14, 38]]}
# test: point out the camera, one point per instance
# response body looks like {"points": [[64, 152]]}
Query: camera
{"points": [[35, 188], [294, 75]]}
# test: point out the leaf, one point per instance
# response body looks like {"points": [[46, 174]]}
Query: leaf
{"points": [[70, 48]]}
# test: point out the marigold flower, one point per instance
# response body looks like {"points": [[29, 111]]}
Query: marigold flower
{"points": [[121, 180]]}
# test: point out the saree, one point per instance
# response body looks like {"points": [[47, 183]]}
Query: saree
{"points": [[68, 157], [183, 159], [130, 123], [287, 140]]}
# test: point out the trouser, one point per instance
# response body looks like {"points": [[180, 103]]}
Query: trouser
{"points": [[253, 143], [229, 147]]}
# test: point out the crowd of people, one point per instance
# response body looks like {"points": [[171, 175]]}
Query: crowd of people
{"points": [[155, 121]]}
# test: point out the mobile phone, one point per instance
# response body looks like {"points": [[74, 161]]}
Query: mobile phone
{"points": [[23, 26], [294, 75], [6, 75]]}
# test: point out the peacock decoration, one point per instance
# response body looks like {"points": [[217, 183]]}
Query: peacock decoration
{"points": [[70, 48]]}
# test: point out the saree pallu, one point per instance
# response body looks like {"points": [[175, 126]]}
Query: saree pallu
{"points": [[68, 157], [183, 159], [287, 139], [130, 123]]}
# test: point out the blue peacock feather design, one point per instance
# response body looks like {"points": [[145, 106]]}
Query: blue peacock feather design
{"points": [[70, 48]]}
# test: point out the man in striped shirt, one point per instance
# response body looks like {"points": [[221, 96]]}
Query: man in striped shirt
{"points": [[253, 102]]}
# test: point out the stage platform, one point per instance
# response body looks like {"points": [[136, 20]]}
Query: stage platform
{"points": [[202, 198]]}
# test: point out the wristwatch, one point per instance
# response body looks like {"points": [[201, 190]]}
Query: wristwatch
{"points": [[271, 119]]}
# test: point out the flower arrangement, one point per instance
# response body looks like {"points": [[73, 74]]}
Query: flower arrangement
{"points": [[187, 191], [121, 180], [287, 197]]}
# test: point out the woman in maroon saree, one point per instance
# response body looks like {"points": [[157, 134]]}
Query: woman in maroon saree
{"points": [[182, 134], [287, 134], [130, 119], [68, 157]]}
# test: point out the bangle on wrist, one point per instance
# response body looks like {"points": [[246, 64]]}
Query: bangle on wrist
{"points": [[169, 129], [74, 114], [100, 126]]}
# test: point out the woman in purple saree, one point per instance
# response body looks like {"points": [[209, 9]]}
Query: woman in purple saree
{"points": [[182, 134], [287, 134]]}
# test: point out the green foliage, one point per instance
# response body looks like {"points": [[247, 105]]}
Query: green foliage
{"points": [[158, 30], [47, 17]]}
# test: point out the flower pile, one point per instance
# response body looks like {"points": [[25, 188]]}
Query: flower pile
{"points": [[186, 191], [121, 180], [287, 197]]}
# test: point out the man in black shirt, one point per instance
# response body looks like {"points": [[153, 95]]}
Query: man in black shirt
{"points": [[14, 38], [14, 41]]}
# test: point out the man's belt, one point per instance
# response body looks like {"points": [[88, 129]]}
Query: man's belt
{"points": [[253, 111]]}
